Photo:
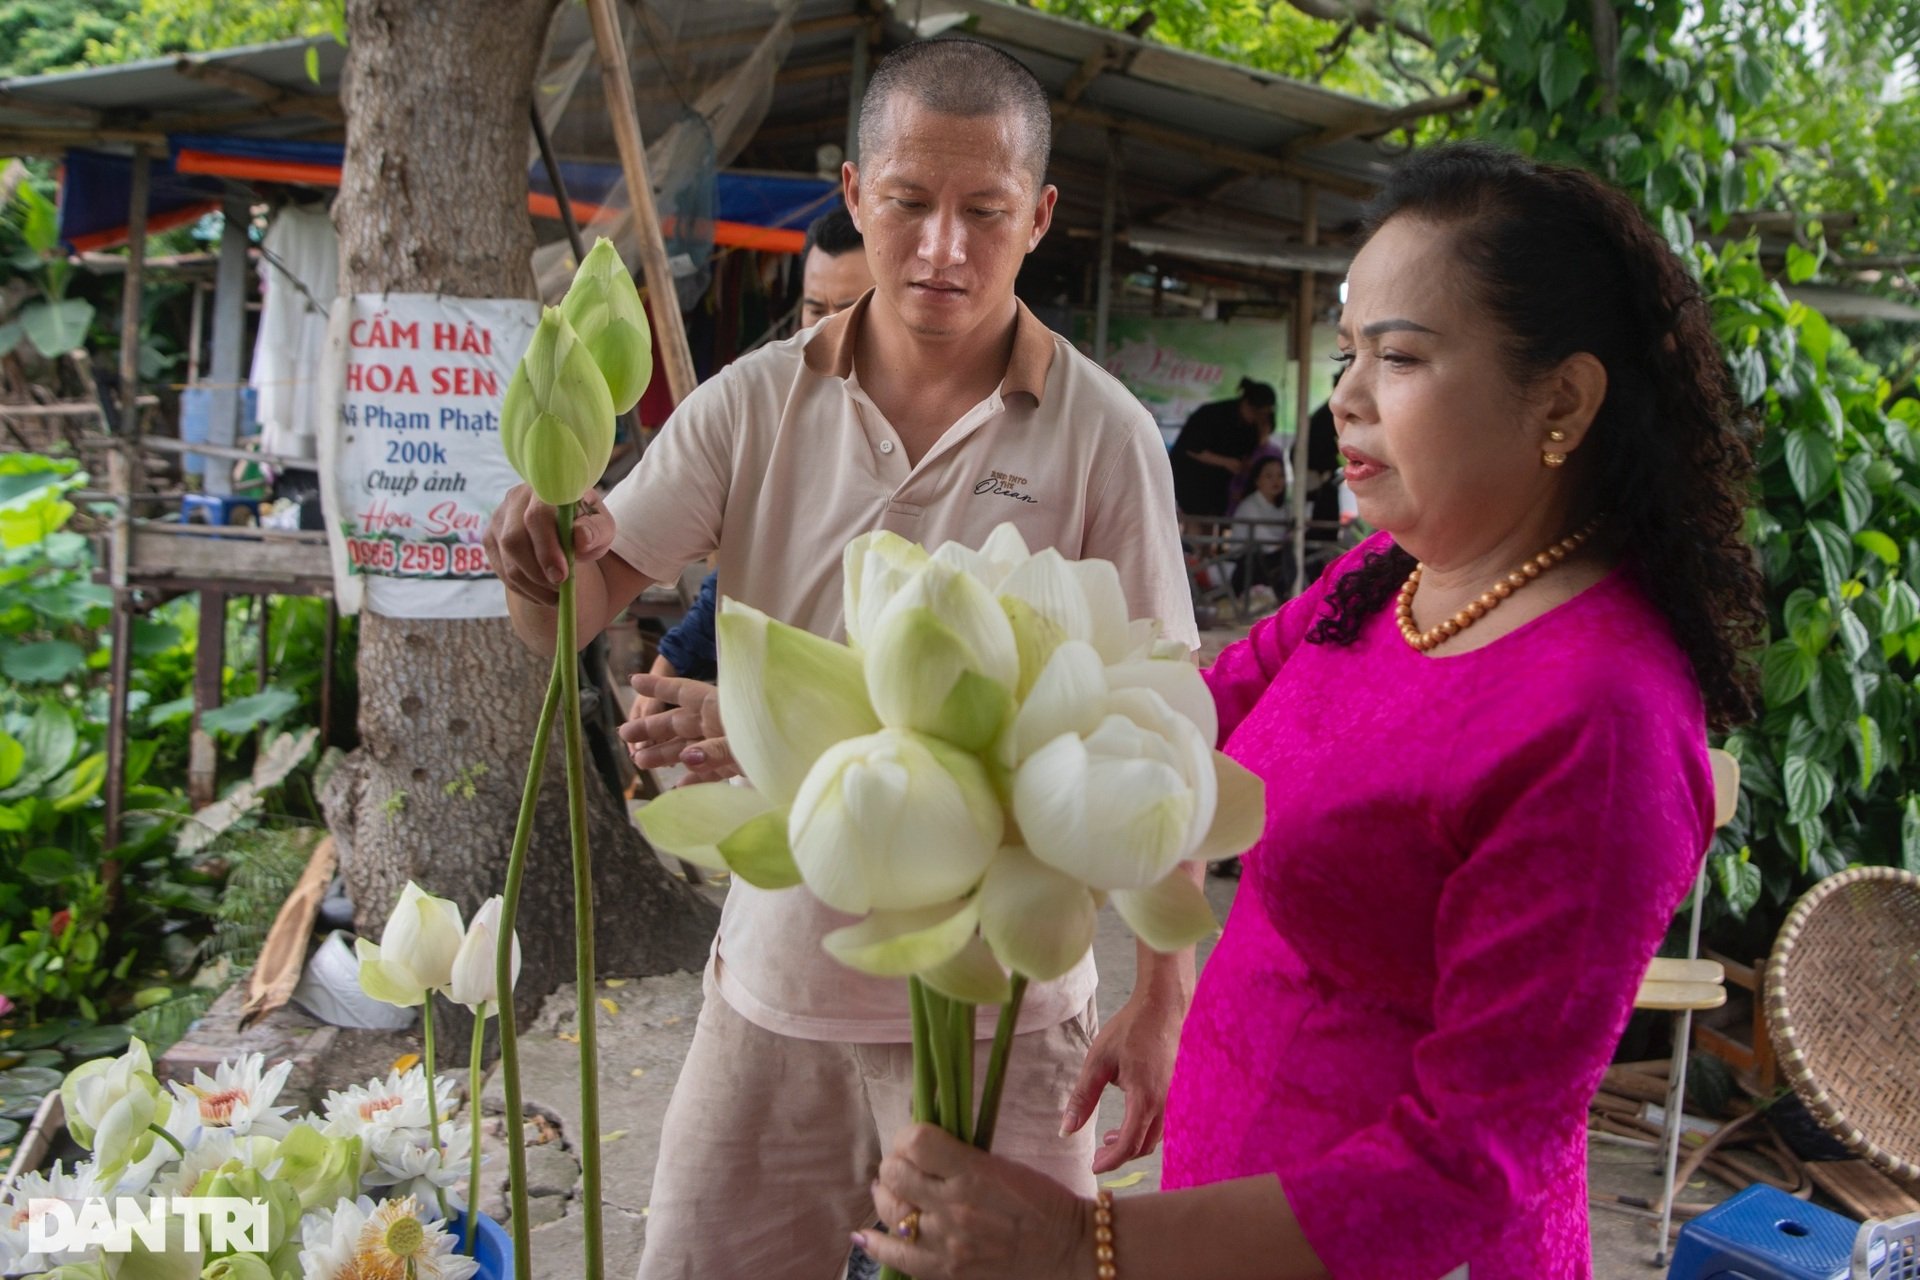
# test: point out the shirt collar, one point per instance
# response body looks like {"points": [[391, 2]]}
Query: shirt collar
{"points": [[829, 352]]}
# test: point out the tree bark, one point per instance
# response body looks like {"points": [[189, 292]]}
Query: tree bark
{"points": [[433, 199]]}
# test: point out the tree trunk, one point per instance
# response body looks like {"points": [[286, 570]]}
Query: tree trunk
{"points": [[433, 199]]}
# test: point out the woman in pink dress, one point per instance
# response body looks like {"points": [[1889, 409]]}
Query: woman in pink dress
{"points": [[1483, 736]]}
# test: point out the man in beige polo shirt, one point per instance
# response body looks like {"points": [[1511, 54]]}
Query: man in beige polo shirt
{"points": [[936, 407]]}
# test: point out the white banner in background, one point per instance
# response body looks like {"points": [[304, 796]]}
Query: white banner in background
{"points": [[412, 459]]}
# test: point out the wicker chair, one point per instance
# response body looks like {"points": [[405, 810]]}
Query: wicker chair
{"points": [[1843, 1002]]}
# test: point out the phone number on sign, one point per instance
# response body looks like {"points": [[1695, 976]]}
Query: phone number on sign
{"points": [[417, 559]]}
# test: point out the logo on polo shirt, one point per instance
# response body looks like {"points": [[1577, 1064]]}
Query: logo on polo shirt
{"points": [[1002, 485]]}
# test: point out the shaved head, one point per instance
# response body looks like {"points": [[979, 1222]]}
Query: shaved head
{"points": [[957, 77]]}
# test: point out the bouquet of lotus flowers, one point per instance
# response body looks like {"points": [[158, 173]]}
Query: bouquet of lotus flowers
{"points": [[996, 751], [348, 1194]]}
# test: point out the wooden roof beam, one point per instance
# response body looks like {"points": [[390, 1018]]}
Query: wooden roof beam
{"points": [[1220, 153], [82, 116], [272, 98]]}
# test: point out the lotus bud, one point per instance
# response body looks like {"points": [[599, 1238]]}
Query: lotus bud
{"points": [[318, 1168], [474, 975], [892, 821], [723, 828], [416, 950], [942, 659], [604, 309], [874, 569], [237, 1266], [556, 424]]}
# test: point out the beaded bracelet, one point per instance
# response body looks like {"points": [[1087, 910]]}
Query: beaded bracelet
{"points": [[1103, 1237]]}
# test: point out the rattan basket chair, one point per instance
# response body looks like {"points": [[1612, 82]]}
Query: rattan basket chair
{"points": [[1843, 1002]]}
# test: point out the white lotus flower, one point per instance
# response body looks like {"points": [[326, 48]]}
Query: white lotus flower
{"points": [[16, 1218], [405, 1163], [1051, 600], [1037, 921], [416, 950], [1120, 807], [238, 1097], [475, 977], [894, 820], [111, 1104], [213, 1149], [941, 659], [1003, 552], [397, 1102], [785, 697], [358, 1239]]}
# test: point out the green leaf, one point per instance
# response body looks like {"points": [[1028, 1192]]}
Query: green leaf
{"points": [[1900, 609], [1809, 789], [1853, 635], [43, 662], [1878, 544], [1910, 835], [1785, 671], [13, 757], [1800, 265], [151, 638], [1562, 67], [244, 714], [1739, 881], [55, 328], [1749, 369], [313, 63], [1810, 464], [81, 783], [50, 742], [1752, 77], [1835, 550], [1816, 336], [1866, 744], [1856, 497], [47, 864]]}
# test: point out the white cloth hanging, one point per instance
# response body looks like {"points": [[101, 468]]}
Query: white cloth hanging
{"points": [[299, 274]]}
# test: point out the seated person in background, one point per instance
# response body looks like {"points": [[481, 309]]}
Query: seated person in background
{"points": [[1215, 443], [1271, 553]]}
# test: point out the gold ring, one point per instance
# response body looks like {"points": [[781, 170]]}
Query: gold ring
{"points": [[908, 1228]]}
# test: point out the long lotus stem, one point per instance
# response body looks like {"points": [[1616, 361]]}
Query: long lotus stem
{"points": [[503, 981], [940, 1029], [566, 652], [473, 1121], [960, 1045], [997, 1064], [171, 1140], [922, 1054], [433, 1107]]}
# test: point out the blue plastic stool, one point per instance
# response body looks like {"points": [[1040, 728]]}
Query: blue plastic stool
{"points": [[207, 508], [1765, 1234]]}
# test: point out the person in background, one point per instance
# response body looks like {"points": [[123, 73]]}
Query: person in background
{"points": [[1215, 443], [1483, 735], [1270, 554], [833, 275]]}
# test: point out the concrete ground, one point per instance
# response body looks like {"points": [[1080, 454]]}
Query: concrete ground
{"points": [[644, 1036]]}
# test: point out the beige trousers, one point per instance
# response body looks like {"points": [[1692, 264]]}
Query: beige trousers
{"points": [[770, 1142]]}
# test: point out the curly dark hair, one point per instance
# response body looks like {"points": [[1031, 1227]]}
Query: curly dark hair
{"points": [[1566, 264]]}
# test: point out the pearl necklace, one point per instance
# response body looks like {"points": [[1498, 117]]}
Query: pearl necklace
{"points": [[1478, 609]]}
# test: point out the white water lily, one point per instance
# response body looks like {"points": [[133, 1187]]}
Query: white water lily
{"points": [[416, 950], [941, 659], [238, 1098], [18, 1212], [405, 1163], [785, 697], [894, 820], [474, 981], [397, 1102], [360, 1238]]}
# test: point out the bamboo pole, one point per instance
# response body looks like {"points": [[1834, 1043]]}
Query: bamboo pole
{"points": [[1103, 301], [665, 311], [1302, 397], [123, 471]]}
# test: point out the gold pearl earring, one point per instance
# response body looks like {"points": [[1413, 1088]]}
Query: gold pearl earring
{"points": [[1550, 458]]}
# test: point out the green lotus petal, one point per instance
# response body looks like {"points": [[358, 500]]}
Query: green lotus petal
{"points": [[758, 852], [1169, 916], [583, 401], [691, 822], [625, 357], [898, 944], [972, 975], [1035, 637], [517, 413], [604, 308], [923, 676], [1239, 815], [553, 462], [386, 981], [785, 697], [1038, 921], [1069, 696]]}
